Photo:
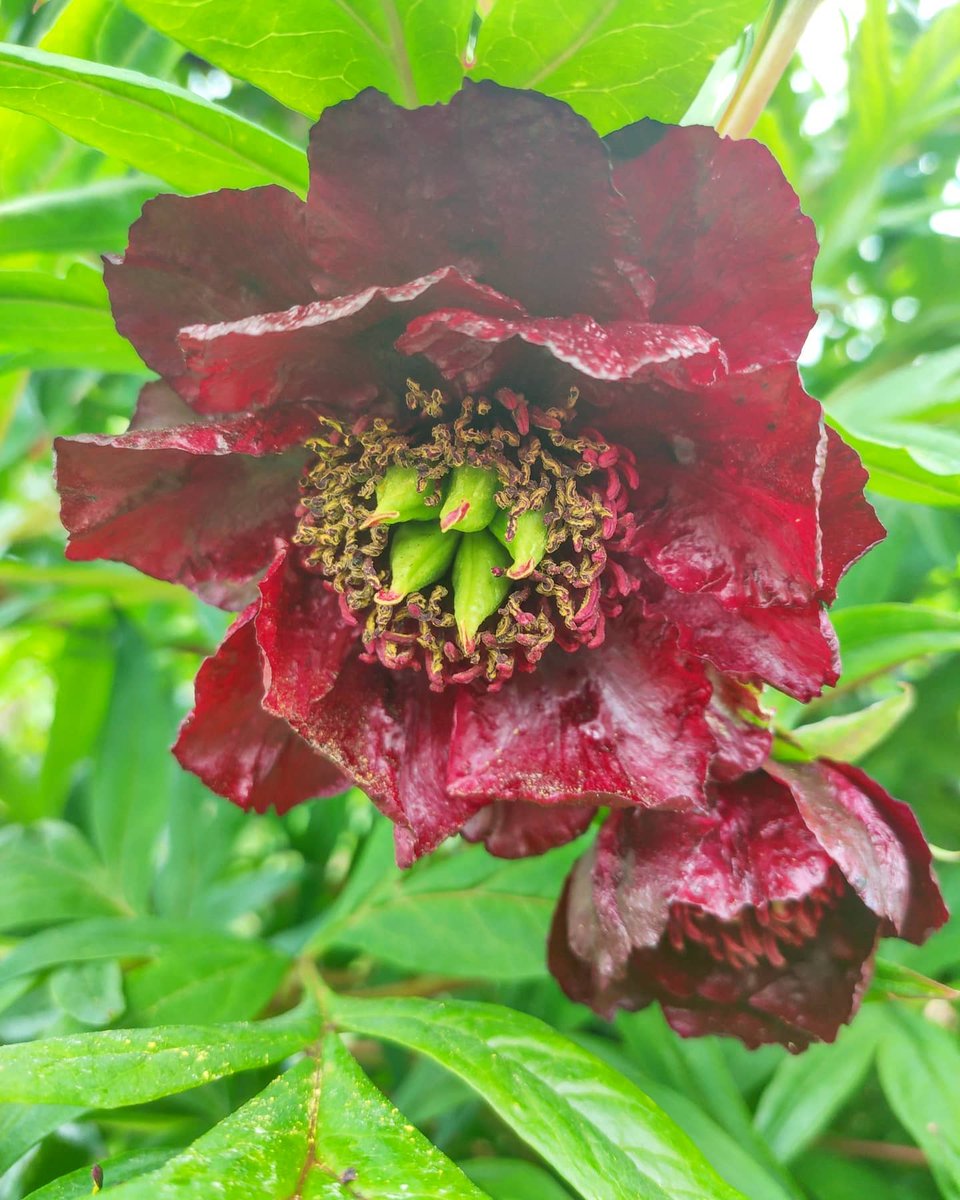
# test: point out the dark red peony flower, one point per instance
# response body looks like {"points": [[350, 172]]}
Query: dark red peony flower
{"points": [[498, 443], [758, 918]]}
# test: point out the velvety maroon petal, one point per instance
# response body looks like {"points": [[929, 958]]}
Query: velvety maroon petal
{"points": [[339, 352], [237, 749], [303, 634], [383, 728], [208, 258], [725, 240], [159, 407], [509, 186], [741, 727], [727, 501], [849, 524], [464, 343], [624, 722], [793, 649], [818, 992], [874, 839], [705, 877], [515, 829], [199, 504]]}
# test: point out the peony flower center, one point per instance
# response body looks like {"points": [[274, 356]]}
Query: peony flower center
{"points": [[469, 540], [765, 932]]}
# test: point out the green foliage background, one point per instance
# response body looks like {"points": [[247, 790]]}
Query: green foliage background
{"points": [[165, 960]]}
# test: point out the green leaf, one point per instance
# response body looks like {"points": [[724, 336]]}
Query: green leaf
{"points": [[692, 1082], [877, 637], [23, 1125], [613, 62], [116, 1170], [50, 873], [904, 424], [595, 1128], [892, 980], [118, 1067], [84, 674], [89, 941], [852, 736], [319, 1123], [33, 155], [469, 915], [153, 126], [89, 992], [741, 1157], [310, 54], [807, 1090], [62, 322], [920, 1074], [131, 777], [513, 1179], [93, 218], [232, 981]]}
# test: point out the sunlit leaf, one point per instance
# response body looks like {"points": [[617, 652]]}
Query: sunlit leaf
{"points": [[117, 1067], [903, 424], [313, 53], [154, 126], [116, 1169], [614, 62], [92, 218], [851, 736], [876, 637], [321, 1122], [62, 322], [595, 1128]]}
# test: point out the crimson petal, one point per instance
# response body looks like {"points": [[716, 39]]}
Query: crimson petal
{"points": [[198, 504], [725, 240], [728, 496], [622, 722], [383, 728], [511, 187], [848, 522], [461, 342], [237, 749], [208, 258], [793, 649], [741, 727], [515, 829], [338, 351], [874, 839]]}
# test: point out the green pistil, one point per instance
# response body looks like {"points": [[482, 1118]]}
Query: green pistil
{"points": [[419, 555], [477, 591], [484, 548], [400, 498], [470, 505], [525, 537]]}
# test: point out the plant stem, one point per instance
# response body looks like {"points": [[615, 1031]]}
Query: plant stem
{"points": [[777, 38], [909, 1156]]}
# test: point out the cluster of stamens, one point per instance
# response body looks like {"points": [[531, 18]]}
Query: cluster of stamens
{"points": [[470, 539], [764, 932]]}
